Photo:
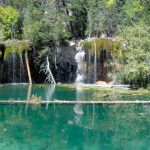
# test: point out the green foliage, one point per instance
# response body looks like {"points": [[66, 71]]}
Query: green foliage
{"points": [[136, 54], [110, 3], [15, 46], [104, 17], [45, 25], [77, 16], [17, 4], [132, 7], [96, 17], [8, 16]]}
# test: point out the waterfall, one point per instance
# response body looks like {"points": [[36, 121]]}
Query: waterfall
{"points": [[55, 56], [14, 67], [80, 66], [89, 67], [95, 64], [22, 78], [107, 62], [22, 72]]}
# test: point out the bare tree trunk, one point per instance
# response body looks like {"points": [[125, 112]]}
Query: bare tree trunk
{"points": [[28, 67], [45, 68]]}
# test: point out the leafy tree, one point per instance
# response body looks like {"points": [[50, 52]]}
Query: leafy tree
{"points": [[8, 16], [104, 17], [110, 3], [113, 16], [45, 24], [20, 6], [95, 16], [145, 15], [133, 10], [136, 54], [78, 16]]}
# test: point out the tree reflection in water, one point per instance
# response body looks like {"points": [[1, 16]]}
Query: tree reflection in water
{"points": [[113, 127]]}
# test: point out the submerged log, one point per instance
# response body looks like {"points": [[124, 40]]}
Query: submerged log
{"points": [[74, 102]]}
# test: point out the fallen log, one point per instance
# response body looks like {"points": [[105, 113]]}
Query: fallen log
{"points": [[72, 102]]}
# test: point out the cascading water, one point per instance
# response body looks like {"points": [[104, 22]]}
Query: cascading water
{"points": [[55, 57], [22, 78], [14, 67], [107, 61], [22, 71], [89, 67], [95, 64], [80, 66], [79, 79]]}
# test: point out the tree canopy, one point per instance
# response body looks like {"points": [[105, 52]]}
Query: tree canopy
{"points": [[8, 16]]}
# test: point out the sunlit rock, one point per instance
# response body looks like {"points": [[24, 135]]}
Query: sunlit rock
{"points": [[101, 83]]}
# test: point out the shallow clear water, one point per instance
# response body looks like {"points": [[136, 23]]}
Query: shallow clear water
{"points": [[110, 127], [47, 92], [69, 92]]}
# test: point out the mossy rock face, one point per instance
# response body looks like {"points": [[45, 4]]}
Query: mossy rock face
{"points": [[15, 46], [0, 53], [109, 44]]}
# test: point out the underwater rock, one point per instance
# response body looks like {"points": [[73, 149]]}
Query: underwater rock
{"points": [[70, 122], [105, 95]]}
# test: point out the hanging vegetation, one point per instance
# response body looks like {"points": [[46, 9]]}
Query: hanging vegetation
{"points": [[15, 46], [110, 45]]}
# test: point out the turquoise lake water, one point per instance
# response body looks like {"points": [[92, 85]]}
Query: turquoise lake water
{"points": [[75, 126], [68, 92], [59, 127]]}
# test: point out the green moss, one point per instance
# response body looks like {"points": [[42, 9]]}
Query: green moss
{"points": [[15, 46], [116, 48], [85, 44], [110, 45], [0, 53]]}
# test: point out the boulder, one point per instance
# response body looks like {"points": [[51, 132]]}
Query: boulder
{"points": [[101, 83]]}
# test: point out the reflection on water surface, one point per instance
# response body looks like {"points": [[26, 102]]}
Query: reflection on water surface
{"points": [[60, 127], [69, 93]]}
